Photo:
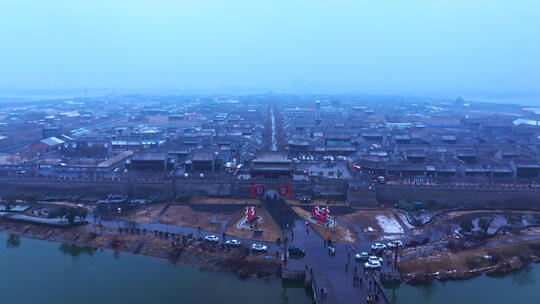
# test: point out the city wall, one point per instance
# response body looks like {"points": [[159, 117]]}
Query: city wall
{"points": [[486, 197], [481, 197], [168, 189]]}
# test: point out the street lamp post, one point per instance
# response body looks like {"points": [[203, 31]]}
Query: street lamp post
{"points": [[284, 249]]}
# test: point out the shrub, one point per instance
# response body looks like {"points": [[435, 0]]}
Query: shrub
{"points": [[466, 226]]}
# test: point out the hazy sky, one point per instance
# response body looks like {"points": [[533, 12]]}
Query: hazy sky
{"points": [[412, 47]]}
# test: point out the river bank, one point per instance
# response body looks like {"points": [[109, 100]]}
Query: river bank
{"points": [[146, 243], [519, 286], [38, 271], [468, 263]]}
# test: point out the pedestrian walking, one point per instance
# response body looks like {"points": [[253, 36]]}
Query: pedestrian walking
{"points": [[322, 293], [346, 267], [325, 292]]}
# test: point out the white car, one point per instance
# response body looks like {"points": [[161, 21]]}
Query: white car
{"points": [[394, 244], [373, 259], [378, 246], [233, 243], [212, 238], [361, 256], [372, 265], [258, 247]]}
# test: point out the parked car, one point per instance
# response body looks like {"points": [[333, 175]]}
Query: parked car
{"points": [[258, 247], [378, 246], [374, 258], [296, 252], [212, 238], [394, 244], [362, 256], [372, 265], [233, 243]]}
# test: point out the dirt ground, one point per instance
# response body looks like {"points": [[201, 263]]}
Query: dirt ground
{"points": [[228, 201], [179, 215], [269, 227], [340, 233], [67, 204], [183, 214], [366, 219], [143, 214]]}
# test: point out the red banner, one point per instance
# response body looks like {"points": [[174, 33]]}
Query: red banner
{"points": [[259, 189], [252, 194], [290, 191], [283, 190]]}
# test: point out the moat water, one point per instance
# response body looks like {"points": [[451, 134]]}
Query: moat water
{"points": [[35, 271], [517, 287]]}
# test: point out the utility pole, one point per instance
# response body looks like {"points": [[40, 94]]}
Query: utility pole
{"points": [[284, 249], [396, 255]]}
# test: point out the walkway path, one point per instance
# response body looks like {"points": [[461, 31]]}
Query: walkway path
{"points": [[223, 227], [161, 213], [328, 271]]}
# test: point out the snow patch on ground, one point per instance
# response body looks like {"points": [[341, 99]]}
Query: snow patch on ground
{"points": [[370, 229], [391, 237], [404, 219], [389, 225]]}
